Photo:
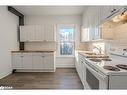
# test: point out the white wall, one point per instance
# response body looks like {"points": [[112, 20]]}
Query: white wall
{"points": [[8, 39], [67, 19]]}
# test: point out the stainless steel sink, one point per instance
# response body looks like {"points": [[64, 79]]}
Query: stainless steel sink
{"points": [[91, 53], [106, 59], [100, 59], [97, 56], [95, 60]]}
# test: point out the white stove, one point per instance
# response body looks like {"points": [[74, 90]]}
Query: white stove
{"points": [[101, 75], [115, 60]]}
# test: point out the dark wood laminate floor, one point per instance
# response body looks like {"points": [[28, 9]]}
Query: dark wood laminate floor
{"points": [[61, 79]]}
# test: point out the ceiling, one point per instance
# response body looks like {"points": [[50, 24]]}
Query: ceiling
{"points": [[50, 10]]}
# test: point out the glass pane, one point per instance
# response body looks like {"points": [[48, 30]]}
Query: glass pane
{"points": [[66, 34], [66, 48]]}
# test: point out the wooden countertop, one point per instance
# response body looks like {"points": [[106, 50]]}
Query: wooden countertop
{"points": [[28, 51]]}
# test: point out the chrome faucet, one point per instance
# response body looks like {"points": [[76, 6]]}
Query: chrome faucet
{"points": [[98, 48]]}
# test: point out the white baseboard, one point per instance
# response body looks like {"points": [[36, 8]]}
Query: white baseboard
{"points": [[35, 70]]}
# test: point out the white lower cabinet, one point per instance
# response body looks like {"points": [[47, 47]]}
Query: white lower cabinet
{"points": [[17, 60], [38, 61], [80, 67], [48, 59], [27, 61], [35, 61]]}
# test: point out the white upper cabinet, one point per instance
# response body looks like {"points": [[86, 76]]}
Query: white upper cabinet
{"points": [[49, 33], [105, 12], [27, 33], [93, 17], [37, 33], [86, 35]]}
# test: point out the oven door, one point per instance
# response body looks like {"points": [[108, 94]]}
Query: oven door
{"points": [[95, 79]]}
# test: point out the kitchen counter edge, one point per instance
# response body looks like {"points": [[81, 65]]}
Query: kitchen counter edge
{"points": [[32, 51]]}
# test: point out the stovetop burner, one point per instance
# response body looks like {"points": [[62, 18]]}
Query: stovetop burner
{"points": [[122, 66], [111, 68]]}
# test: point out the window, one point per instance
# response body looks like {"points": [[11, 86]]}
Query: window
{"points": [[66, 41]]}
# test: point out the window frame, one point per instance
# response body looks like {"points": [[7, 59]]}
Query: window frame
{"points": [[58, 39]]}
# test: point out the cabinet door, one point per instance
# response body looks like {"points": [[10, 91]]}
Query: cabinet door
{"points": [[23, 34], [38, 61], [80, 66], [97, 33], [98, 15], [27, 61], [83, 72], [49, 61], [85, 35], [27, 33], [39, 33], [17, 60], [105, 12], [30, 32], [49, 32]]}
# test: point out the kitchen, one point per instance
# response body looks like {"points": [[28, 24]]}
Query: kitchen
{"points": [[63, 47]]}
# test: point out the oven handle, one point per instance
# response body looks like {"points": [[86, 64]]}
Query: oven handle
{"points": [[95, 72]]}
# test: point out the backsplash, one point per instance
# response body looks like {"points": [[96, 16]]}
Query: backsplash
{"points": [[51, 46], [40, 46], [118, 44], [98, 47]]}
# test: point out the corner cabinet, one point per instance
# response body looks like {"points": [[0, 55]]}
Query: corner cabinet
{"points": [[29, 33], [34, 61]]}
